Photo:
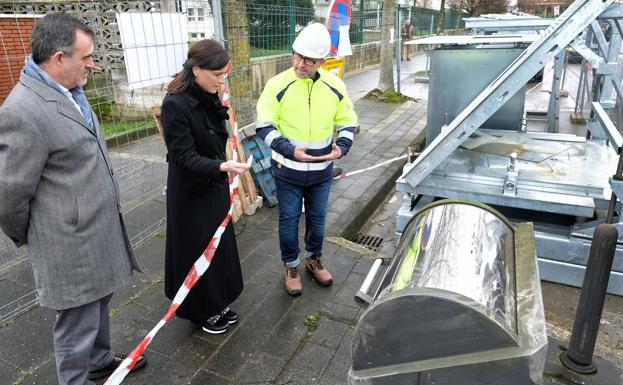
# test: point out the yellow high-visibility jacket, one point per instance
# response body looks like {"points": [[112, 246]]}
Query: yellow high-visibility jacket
{"points": [[293, 111]]}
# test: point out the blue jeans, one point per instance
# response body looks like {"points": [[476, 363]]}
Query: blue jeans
{"points": [[290, 197]]}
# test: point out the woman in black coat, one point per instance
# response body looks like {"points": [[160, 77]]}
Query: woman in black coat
{"points": [[193, 120]]}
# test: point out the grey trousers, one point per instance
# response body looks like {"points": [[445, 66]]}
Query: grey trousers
{"points": [[82, 341]]}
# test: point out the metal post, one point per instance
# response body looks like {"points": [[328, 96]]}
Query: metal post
{"points": [[292, 21], [613, 198], [579, 97], [579, 356], [361, 21], [553, 112], [618, 112], [218, 22], [432, 22], [398, 48]]}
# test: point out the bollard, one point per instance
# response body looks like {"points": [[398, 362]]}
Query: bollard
{"points": [[579, 356]]}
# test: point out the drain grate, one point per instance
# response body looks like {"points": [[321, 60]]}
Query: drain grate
{"points": [[372, 242]]}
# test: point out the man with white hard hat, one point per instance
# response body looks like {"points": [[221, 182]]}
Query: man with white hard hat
{"points": [[297, 115]]}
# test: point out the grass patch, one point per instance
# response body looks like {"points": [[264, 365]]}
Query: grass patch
{"points": [[312, 322], [388, 97], [395, 97], [6, 324], [422, 73], [115, 128]]}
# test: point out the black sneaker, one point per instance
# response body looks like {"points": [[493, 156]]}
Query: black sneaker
{"points": [[215, 325], [230, 316]]}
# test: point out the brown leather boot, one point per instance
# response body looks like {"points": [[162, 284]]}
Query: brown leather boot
{"points": [[293, 281], [315, 267]]}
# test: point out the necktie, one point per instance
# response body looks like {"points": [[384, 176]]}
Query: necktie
{"points": [[81, 99]]}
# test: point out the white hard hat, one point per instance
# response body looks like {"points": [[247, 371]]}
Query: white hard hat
{"points": [[313, 41]]}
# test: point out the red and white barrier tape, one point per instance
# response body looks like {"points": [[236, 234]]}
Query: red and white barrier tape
{"points": [[346, 174], [199, 267]]}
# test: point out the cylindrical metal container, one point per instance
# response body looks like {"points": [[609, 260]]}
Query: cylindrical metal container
{"points": [[459, 304]]}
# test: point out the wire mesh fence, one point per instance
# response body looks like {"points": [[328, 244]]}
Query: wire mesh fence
{"points": [[139, 45]]}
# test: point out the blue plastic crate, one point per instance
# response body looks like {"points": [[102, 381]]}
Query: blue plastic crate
{"points": [[260, 169]]}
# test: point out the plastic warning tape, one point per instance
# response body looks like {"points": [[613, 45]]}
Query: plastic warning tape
{"points": [[199, 267], [351, 173]]}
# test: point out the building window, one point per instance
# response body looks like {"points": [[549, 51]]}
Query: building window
{"points": [[195, 14], [196, 36]]}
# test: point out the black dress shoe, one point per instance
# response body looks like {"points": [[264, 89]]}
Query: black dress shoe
{"points": [[230, 316], [114, 364]]}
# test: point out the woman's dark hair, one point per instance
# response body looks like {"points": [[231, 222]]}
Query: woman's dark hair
{"points": [[207, 54]]}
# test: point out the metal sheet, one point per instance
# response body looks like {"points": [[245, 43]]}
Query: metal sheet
{"points": [[450, 91], [459, 248], [475, 39], [572, 171], [481, 24], [504, 145]]}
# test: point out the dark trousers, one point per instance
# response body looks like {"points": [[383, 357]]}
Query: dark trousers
{"points": [[290, 197], [82, 341]]}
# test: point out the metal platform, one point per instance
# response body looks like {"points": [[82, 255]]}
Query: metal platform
{"points": [[475, 39]]}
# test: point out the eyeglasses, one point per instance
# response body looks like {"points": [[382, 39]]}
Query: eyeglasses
{"points": [[306, 60]]}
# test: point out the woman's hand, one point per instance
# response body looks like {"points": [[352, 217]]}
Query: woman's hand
{"points": [[235, 168]]}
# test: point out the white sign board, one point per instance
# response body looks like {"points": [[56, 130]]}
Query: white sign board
{"points": [[155, 46]]}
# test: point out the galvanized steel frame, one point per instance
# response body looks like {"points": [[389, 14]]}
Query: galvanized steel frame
{"points": [[563, 31]]}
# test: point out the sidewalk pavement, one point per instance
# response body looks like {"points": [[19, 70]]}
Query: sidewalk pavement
{"points": [[279, 339]]}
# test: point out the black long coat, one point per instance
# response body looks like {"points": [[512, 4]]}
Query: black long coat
{"points": [[197, 202]]}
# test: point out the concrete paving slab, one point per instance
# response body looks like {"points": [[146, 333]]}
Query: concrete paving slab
{"points": [[307, 365], [329, 333], [261, 368], [9, 373], [340, 361], [27, 340], [205, 377], [42, 374], [194, 352], [11, 289], [286, 336]]}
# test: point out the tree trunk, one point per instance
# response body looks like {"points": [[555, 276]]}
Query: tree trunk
{"points": [[442, 17], [386, 79], [236, 31]]}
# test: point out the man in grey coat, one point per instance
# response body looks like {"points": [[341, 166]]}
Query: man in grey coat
{"points": [[58, 195]]}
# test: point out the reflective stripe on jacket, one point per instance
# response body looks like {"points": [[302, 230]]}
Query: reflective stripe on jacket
{"points": [[293, 111]]}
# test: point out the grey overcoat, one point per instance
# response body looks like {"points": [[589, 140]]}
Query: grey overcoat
{"points": [[58, 195]]}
